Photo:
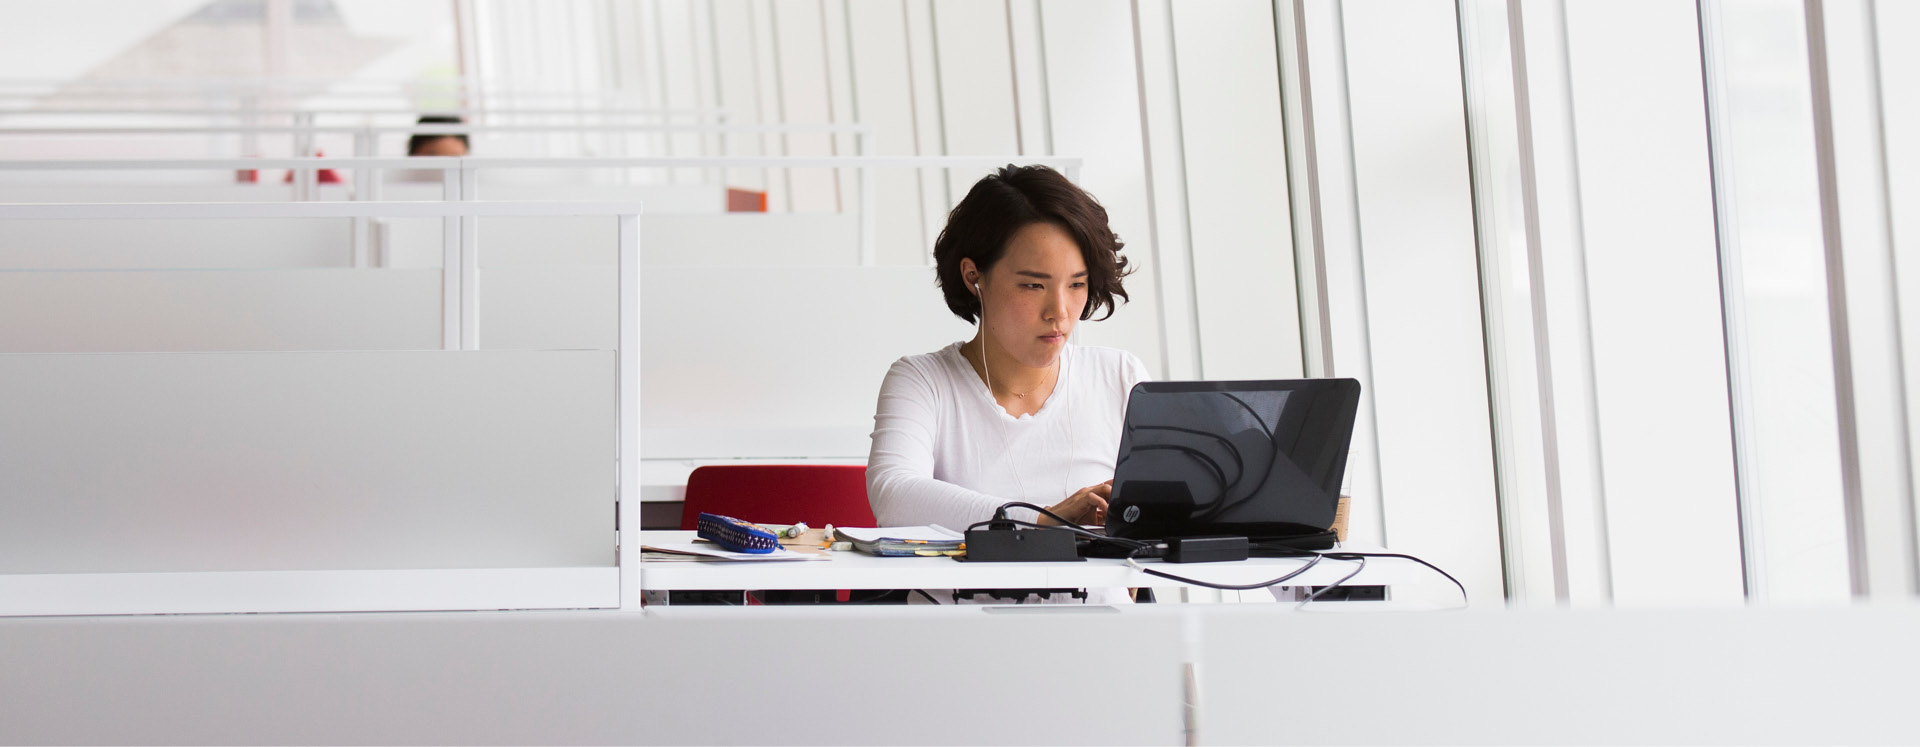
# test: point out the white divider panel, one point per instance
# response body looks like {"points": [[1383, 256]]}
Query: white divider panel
{"points": [[737, 361], [175, 244], [152, 463], [751, 239], [1759, 675], [112, 191], [219, 310], [577, 185], [557, 308], [588, 678], [746, 239]]}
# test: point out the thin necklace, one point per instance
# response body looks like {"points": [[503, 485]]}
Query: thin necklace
{"points": [[1006, 441], [989, 376]]}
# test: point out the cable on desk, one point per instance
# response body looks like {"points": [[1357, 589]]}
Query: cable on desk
{"points": [[1362, 560], [999, 519], [1359, 557], [1345, 555], [1225, 587], [1000, 515], [923, 592]]}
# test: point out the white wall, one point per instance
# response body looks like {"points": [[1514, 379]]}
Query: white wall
{"points": [[1417, 254], [1654, 278]]}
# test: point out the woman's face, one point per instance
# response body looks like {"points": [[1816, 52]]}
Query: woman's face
{"points": [[441, 146], [1034, 295]]}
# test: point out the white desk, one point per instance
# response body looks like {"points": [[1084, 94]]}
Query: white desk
{"points": [[852, 570]]}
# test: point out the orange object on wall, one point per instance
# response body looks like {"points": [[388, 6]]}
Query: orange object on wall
{"points": [[746, 201]]}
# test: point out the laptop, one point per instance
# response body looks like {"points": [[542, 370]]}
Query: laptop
{"points": [[1259, 459]]}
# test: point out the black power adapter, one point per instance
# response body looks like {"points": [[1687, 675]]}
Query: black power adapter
{"points": [[1205, 549], [995, 545]]}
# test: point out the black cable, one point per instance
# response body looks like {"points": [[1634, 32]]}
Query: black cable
{"points": [[1235, 587], [1000, 514], [1335, 585], [1206, 460], [1130, 544], [1133, 546], [923, 592], [1360, 557], [1250, 411], [1276, 548], [1344, 555], [1273, 447]]}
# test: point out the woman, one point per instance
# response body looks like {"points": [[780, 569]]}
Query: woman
{"points": [[1018, 413]]}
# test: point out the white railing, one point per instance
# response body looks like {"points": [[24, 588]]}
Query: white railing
{"points": [[282, 88], [309, 114], [365, 136], [460, 176]]}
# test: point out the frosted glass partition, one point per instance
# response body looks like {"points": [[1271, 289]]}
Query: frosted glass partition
{"points": [[171, 244], [170, 462], [738, 361], [737, 239], [206, 477], [338, 308]]}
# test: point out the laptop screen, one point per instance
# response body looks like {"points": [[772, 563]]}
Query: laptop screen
{"points": [[1261, 459]]}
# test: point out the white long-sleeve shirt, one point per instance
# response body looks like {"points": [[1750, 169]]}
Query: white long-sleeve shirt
{"points": [[945, 453]]}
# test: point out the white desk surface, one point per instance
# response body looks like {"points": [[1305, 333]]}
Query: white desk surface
{"points": [[852, 570]]}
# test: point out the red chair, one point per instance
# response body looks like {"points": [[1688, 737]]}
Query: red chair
{"points": [[818, 494]]}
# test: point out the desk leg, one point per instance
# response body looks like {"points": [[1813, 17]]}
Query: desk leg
{"points": [[1199, 595]]}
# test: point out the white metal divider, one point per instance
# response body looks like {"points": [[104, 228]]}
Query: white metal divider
{"points": [[627, 520], [451, 318], [365, 590], [310, 117], [469, 265], [1069, 166], [460, 176], [303, 137]]}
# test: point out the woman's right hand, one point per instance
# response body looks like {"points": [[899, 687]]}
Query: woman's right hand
{"points": [[1087, 506]]}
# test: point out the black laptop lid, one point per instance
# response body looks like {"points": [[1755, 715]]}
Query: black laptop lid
{"points": [[1261, 459]]}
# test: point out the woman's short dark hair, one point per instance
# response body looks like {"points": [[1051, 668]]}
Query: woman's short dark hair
{"points": [[1013, 198], [415, 143]]}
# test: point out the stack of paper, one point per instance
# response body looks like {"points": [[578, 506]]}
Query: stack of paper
{"points": [[905, 541]]}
